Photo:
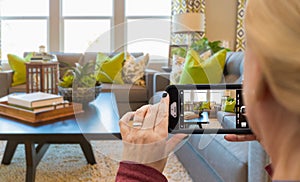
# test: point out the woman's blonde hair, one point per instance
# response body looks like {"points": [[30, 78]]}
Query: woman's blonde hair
{"points": [[273, 33]]}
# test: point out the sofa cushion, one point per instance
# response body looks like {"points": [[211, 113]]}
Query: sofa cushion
{"points": [[17, 64], [231, 79], [231, 165], [227, 119], [214, 159], [18, 88], [126, 92], [67, 60], [92, 56], [234, 64], [134, 68], [198, 71], [109, 70]]}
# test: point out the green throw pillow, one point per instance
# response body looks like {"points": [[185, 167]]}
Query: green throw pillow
{"points": [[109, 70], [17, 64], [198, 71], [229, 106], [205, 105]]}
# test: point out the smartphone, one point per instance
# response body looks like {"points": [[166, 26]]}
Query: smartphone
{"points": [[201, 109]]}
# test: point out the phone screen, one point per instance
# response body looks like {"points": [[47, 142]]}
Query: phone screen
{"points": [[209, 109]]}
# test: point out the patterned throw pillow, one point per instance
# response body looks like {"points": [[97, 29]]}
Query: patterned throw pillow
{"points": [[134, 69], [177, 66]]}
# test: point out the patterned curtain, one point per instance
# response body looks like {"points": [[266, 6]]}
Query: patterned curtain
{"points": [[0, 40], [240, 31], [186, 6]]}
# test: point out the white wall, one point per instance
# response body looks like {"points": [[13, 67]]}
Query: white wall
{"points": [[221, 20]]}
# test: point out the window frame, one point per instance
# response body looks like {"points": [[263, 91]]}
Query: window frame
{"points": [[84, 18], [3, 18], [55, 24]]}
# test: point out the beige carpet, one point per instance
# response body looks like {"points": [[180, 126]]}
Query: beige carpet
{"points": [[63, 163]]}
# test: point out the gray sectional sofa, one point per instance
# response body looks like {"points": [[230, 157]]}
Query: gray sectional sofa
{"points": [[210, 157], [129, 97]]}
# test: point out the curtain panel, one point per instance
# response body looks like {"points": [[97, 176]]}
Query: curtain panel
{"points": [[186, 6], [198, 6], [240, 29]]}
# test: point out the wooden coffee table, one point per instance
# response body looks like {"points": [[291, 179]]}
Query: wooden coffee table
{"points": [[98, 122]]}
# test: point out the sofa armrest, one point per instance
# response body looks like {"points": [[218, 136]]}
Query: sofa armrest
{"points": [[160, 81], [257, 161], [149, 74], [5, 80]]}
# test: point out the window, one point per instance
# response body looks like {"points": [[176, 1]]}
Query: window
{"points": [[86, 21], [148, 8], [23, 26], [148, 27], [85, 25]]}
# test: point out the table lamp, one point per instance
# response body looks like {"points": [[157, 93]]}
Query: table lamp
{"points": [[189, 23]]}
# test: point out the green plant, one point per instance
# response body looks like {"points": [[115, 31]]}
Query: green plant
{"points": [[80, 76], [179, 51], [230, 99], [204, 45]]}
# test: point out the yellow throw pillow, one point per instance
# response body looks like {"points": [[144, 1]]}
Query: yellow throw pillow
{"points": [[199, 71], [229, 106], [17, 64], [109, 70]]}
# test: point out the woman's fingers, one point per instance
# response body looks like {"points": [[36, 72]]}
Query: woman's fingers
{"points": [[239, 138], [140, 114], [125, 123], [174, 141], [150, 117], [162, 118]]}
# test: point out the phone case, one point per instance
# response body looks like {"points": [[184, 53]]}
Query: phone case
{"points": [[181, 122]]}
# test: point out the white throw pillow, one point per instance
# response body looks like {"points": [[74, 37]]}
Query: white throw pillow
{"points": [[177, 67], [5, 66], [134, 69]]}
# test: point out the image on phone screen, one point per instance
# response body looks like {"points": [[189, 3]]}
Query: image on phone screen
{"points": [[209, 109]]}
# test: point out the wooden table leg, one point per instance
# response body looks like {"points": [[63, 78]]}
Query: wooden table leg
{"points": [[200, 125], [88, 151], [9, 152], [33, 157]]}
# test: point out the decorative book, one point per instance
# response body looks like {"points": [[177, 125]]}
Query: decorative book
{"points": [[42, 116], [34, 100]]}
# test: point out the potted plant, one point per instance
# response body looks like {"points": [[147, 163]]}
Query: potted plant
{"points": [[79, 84], [204, 45]]}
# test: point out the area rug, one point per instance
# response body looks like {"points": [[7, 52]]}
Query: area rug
{"points": [[64, 163]]}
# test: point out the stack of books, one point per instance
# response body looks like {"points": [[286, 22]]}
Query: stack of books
{"points": [[42, 56], [37, 101]]}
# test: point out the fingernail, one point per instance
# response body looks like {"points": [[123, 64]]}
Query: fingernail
{"points": [[164, 95], [186, 137]]}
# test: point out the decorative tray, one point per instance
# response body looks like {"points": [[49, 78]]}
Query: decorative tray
{"points": [[38, 117]]}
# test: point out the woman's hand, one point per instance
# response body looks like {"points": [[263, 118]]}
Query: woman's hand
{"points": [[145, 132], [240, 138]]}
